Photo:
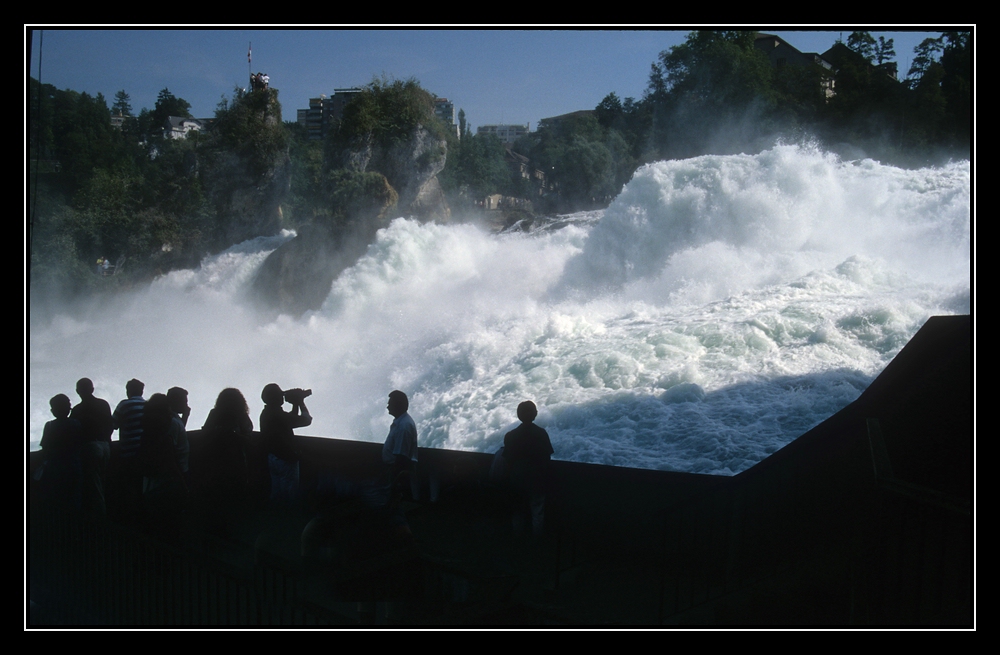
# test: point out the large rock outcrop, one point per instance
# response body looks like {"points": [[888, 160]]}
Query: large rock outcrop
{"points": [[247, 204], [297, 276], [411, 165], [248, 170], [370, 185]]}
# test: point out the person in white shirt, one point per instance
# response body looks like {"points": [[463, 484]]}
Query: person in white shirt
{"points": [[399, 452]]}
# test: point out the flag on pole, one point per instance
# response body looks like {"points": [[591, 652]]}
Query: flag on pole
{"points": [[248, 53]]}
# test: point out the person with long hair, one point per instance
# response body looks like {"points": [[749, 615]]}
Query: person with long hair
{"points": [[226, 436]]}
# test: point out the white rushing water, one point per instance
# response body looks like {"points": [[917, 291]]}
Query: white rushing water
{"points": [[719, 308]]}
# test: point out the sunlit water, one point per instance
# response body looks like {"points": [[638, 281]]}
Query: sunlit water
{"points": [[719, 308]]}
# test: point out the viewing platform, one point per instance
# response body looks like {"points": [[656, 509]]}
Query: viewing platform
{"points": [[865, 520]]}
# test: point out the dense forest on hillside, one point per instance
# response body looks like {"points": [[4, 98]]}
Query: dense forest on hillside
{"points": [[717, 93], [129, 193]]}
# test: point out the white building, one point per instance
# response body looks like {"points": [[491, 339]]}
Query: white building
{"points": [[506, 133], [178, 127]]}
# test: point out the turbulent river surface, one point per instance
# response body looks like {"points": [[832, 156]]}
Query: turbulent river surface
{"points": [[719, 308]]}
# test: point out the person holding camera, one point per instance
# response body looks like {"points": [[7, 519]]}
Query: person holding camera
{"points": [[276, 431]]}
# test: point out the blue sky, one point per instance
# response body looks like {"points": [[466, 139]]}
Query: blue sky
{"points": [[495, 75]]}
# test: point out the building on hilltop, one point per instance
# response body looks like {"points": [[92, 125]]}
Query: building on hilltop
{"points": [[780, 53], [324, 111], [520, 166], [333, 110], [444, 109], [178, 127], [839, 55], [312, 118], [554, 122], [506, 133]]}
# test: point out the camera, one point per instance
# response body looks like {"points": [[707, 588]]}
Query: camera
{"points": [[295, 396]]}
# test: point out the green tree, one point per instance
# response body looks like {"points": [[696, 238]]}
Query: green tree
{"points": [[586, 162], [715, 79], [75, 129], [250, 127], [956, 84], [884, 50], [41, 123], [864, 44], [306, 196], [609, 111], [801, 93], [586, 175], [123, 104], [167, 105], [924, 55], [483, 166], [631, 119], [386, 111], [724, 68], [107, 206]]}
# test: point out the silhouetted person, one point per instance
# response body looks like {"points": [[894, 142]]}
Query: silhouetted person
{"points": [[180, 411], [94, 415], [373, 527], [527, 451], [226, 439], [399, 452], [127, 471], [164, 491], [128, 418], [276, 431], [62, 438]]}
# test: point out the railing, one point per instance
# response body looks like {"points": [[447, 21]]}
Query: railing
{"points": [[815, 547], [103, 574], [809, 536], [916, 561]]}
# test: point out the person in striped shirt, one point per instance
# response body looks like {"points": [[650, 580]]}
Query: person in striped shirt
{"points": [[128, 418], [125, 461]]}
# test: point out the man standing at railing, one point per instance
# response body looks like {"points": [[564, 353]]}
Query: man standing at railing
{"points": [[527, 451], [128, 421], [94, 415], [399, 452]]}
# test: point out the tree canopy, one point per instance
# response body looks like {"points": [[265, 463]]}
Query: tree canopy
{"points": [[387, 110], [109, 192]]}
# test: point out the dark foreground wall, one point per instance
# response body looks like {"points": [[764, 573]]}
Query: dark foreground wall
{"points": [[864, 520]]}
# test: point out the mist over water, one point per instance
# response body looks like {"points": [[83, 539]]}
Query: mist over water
{"points": [[719, 308]]}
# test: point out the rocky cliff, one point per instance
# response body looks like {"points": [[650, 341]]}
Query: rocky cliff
{"points": [[373, 184], [297, 276], [248, 171], [411, 166]]}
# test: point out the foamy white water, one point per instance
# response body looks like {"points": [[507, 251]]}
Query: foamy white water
{"points": [[719, 308]]}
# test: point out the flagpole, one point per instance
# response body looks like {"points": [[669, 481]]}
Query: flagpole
{"points": [[250, 63]]}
